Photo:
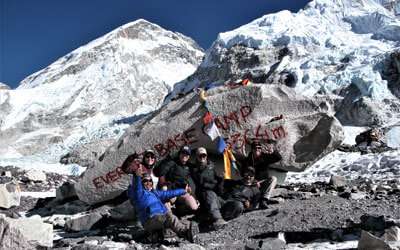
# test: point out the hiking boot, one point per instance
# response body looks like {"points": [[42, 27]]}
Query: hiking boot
{"points": [[138, 225], [193, 231], [264, 203], [219, 223]]}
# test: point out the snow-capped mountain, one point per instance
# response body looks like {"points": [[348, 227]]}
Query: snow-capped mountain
{"points": [[92, 92], [325, 48], [4, 86]]}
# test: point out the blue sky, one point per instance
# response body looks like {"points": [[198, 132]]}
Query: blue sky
{"points": [[35, 33]]}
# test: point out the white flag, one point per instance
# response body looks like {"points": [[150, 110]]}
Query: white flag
{"points": [[212, 131]]}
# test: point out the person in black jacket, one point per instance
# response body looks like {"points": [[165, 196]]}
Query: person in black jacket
{"points": [[209, 187], [174, 174], [260, 161], [244, 195]]}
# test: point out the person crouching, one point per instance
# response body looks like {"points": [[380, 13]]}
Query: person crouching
{"points": [[153, 214]]}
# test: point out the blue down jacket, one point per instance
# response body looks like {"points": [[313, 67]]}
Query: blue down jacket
{"points": [[150, 203]]}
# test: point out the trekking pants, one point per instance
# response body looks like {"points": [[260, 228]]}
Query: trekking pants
{"points": [[161, 221], [212, 204], [186, 204], [232, 209], [268, 186]]}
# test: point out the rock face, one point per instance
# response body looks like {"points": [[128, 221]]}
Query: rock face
{"points": [[33, 230], [11, 237], [10, 193], [355, 58], [93, 92], [371, 242], [35, 175], [304, 134]]}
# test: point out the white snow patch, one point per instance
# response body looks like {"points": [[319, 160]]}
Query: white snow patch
{"points": [[51, 193], [376, 167]]}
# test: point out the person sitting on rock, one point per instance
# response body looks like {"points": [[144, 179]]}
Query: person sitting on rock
{"points": [[176, 173], [244, 195], [149, 204], [129, 166], [133, 161], [261, 159], [209, 187], [149, 161]]}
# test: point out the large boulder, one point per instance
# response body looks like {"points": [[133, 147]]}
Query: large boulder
{"points": [[304, 132], [11, 237], [33, 230], [10, 192]]}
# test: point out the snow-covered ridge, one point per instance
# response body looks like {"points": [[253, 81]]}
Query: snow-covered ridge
{"points": [[81, 97], [4, 86], [322, 49]]}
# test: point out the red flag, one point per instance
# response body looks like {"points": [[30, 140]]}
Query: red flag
{"points": [[207, 118], [245, 82]]}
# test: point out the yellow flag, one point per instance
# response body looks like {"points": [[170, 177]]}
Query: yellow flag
{"points": [[227, 165]]}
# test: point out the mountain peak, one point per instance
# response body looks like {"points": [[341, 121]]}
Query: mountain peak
{"points": [[4, 86], [124, 73]]}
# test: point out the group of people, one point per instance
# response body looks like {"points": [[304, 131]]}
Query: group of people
{"points": [[160, 191]]}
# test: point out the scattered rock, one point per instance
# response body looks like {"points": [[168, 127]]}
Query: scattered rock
{"points": [[83, 222], [58, 220], [33, 229], [358, 196], [66, 191], [183, 247], [338, 181], [273, 244], [392, 234], [6, 174], [11, 237], [123, 212], [35, 175], [373, 223], [371, 242], [10, 194]]}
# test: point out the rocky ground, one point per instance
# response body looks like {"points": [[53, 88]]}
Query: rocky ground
{"points": [[301, 216]]}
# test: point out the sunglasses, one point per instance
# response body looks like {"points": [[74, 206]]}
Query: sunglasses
{"points": [[248, 175], [150, 156], [202, 156], [147, 180]]}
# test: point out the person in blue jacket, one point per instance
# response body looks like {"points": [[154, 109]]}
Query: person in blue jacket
{"points": [[153, 214]]}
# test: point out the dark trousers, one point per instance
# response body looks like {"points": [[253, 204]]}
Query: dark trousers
{"points": [[232, 209], [211, 203]]}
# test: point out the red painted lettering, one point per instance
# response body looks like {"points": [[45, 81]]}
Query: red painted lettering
{"points": [[191, 138], [97, 182], [160, 149], [245, 137], [119, 172], [219, 124], [112, 176], [171, 144], [232, 116], [245, 111], [180, 140], [278, 132], [105, 179]]}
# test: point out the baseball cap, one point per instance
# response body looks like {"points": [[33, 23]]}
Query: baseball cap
{"points": [[201, 151], [185, 150]]}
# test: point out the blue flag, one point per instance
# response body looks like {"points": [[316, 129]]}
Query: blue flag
{"points": [[221, 145]]}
